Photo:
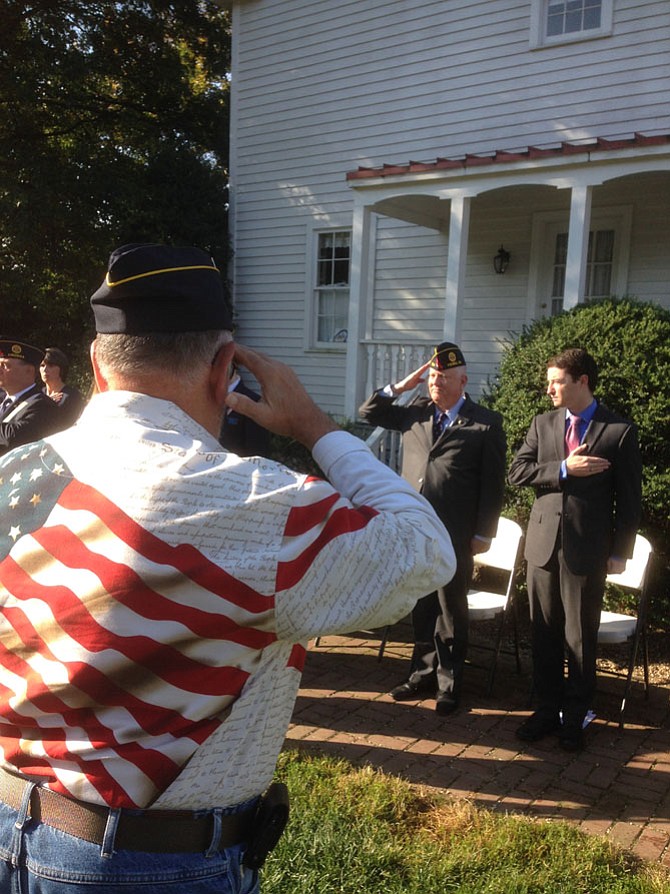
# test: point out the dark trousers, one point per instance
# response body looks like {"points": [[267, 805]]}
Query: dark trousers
{"points": [[440, 622], [565, 615]]}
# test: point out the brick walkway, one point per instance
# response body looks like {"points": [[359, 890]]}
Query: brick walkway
{"points": [[619, 786]]}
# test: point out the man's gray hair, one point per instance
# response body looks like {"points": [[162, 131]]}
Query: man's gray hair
{"points": [[182, 354]]}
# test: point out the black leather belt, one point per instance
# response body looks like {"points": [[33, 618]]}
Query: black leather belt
{"points": [[154, 831]]}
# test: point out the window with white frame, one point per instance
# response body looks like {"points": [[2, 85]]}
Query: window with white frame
{"points": [[606, 261], [599, 263], [561, 21], [331, 288]]}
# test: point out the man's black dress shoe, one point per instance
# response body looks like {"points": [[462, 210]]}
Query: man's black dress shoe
{"points": [[537, 726], [571, 736], [407, 691], [445, 703]]}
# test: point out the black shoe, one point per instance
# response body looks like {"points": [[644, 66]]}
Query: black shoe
{"points": [[445, 703], [571, 736], [537, 726], [407, 691]]}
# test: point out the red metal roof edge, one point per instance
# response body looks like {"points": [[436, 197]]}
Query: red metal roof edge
{"points": [[502, 156]]}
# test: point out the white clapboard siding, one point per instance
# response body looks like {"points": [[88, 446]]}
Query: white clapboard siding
{"points": [[320, 88]]}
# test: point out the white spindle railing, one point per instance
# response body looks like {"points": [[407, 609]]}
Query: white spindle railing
{"points": [[387, 363]]}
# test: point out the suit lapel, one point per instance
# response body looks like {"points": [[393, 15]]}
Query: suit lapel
{"points": [[559, 433], [19, 407], [595, 429]]}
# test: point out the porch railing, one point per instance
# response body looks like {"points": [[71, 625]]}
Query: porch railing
{"points": [[389, 362]]}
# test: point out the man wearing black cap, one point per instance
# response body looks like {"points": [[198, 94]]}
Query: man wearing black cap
{"points": [[453, 454], [26, 413], [157, 593]]}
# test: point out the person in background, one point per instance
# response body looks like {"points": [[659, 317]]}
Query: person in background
{"points": [[26, 413], [453, 454], [583, 462], [157, 594], [54, 370], [239, 433]]}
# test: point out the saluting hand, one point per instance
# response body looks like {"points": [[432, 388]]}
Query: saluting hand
{"points": [[412, 380], [285, 408]]}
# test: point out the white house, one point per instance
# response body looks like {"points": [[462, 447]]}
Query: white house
{"points": [[383, 151]]}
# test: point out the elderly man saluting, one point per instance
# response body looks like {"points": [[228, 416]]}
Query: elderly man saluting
{"points": [[157, 593], [453, 454]]}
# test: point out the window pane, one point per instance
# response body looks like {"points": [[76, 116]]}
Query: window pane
{"points": [[332, 315], [333, 258], [572, 16]]}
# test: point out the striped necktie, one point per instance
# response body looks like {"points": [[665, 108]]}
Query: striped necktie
{"points": [[6, 404]]}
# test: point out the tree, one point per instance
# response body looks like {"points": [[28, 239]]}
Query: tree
{"points": [[113, 129]]}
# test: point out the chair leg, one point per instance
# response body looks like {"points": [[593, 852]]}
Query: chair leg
{"points": [[382, 644], [632, 661]]}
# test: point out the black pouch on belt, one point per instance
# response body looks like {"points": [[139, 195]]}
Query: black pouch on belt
{"points": [[268, 825]]}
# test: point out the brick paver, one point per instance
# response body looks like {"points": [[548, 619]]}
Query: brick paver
{"points": [[618, 787]]}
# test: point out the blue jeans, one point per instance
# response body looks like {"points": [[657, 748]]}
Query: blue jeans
{"points": [[38, 859]]}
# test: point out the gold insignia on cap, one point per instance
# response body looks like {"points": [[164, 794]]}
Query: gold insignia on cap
{"points": [[157, 272]]}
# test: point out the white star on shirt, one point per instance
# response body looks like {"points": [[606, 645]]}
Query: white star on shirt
{"points": [[14, 502], [16, 477], [35, 499], [58, 469], [35, 474], [15, 532]]}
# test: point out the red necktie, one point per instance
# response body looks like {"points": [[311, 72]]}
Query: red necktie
{"points": [[572, 437]]}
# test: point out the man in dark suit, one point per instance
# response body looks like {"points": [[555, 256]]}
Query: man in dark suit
{"points": [[584, 463], [26, 413], [453, 454], [240, 434]]}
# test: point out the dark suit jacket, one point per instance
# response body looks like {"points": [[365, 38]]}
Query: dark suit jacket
{"points": [[462, 474], [596, 516], [242, 435], [35, 416]]}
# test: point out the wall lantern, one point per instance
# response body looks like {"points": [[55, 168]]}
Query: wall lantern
{"points": [[501, 260]]}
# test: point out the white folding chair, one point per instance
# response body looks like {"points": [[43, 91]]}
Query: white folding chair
{"points": [[616, 627], [504, 554]]}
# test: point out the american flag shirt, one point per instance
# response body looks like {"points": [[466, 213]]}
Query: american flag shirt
{"points": [[157, 594]]}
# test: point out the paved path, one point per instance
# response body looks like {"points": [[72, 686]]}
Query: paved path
{"points": [[619, 786]]}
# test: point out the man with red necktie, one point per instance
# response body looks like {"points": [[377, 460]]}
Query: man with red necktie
{"points": [[584, 464]]}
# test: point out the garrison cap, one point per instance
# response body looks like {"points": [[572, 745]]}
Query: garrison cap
{"points": [[447, 355], [18, 350], [160, 288]]}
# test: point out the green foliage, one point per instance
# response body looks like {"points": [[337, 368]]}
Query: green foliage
{"points": [[359, 831], [113, 129], [630, 341]]}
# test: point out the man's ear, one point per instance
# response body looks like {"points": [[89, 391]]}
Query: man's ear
{"points": [[219, 374], [100, 380]]}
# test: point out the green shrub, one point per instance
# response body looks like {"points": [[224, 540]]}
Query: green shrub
{"points": [[630, 341]]}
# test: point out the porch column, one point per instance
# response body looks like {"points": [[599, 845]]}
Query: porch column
{"points": [[359, 295], [578, 246], [459, 227]]}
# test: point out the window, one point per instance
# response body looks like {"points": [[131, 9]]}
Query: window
{"points": [[598, 267], [561, 21], [331, 294], [573, 15], [607, 258]]}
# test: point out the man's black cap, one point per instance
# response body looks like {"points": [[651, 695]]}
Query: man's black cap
{"points": [[160, 288], [18, 350], [447, 355]]}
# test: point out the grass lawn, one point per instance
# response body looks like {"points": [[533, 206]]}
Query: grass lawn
{"points": [[358, 831]]}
